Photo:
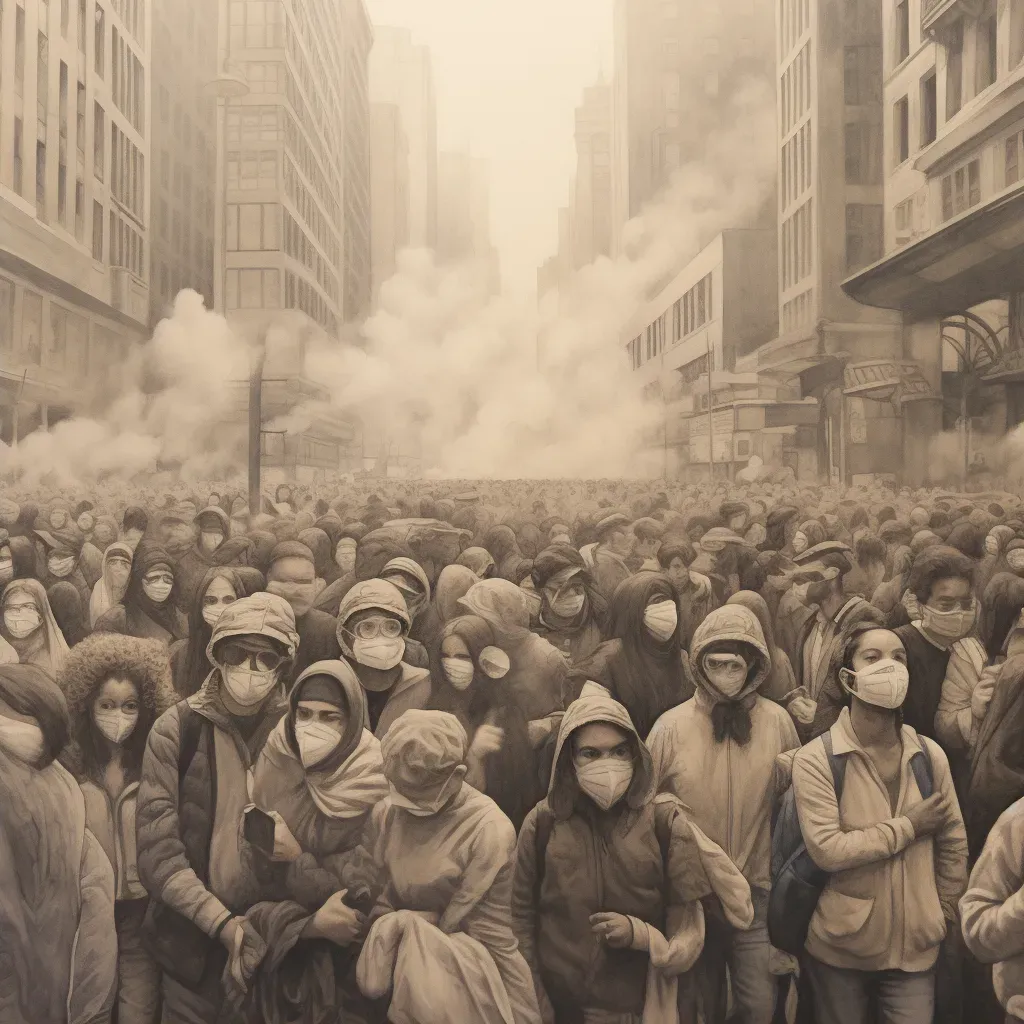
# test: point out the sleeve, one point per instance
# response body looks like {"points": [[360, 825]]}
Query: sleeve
{"points": [[832, 847], [659, 743], [954, 721], [164, 868], [94, 970], [490, 850], [992, 909], [524, 907], [950, 839]]}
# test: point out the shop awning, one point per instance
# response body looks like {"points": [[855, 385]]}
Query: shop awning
{"points": [[974, 257]]}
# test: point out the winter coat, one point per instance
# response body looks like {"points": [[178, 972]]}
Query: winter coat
{"points": [[729, 788]]}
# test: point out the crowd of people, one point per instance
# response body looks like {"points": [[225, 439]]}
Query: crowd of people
{"points": [[571, 752]]}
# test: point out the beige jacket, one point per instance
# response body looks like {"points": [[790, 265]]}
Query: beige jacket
{"points": [[890, 894]]}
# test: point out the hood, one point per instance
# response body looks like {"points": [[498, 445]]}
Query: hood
{"points": [[412, 568], [730, 622], [598, 707], [261, 614], [371, 594], [453, 584], [502, 604], [757, 604], [422, 750], [342, 673], [222, 517]]}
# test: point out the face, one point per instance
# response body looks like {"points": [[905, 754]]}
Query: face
{"points": [[86, 522], [678, 573], [219, 594], [878, 645], [345, 554], [59, 519], [727, 672], [309, 711], [21, 615], [103, 536], [294, 579], [115, 710], [600, 741], [950, 594], [457, 662], [621, 542], [119, 569], [132, 538]]}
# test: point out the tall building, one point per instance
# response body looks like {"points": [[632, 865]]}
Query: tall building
{"points": [[183, 169], [678, 63], [953, 265], [592, 189], [389, 191], [401, 74], [74, 207], [464, 213], [292, 238], [829, 94]]}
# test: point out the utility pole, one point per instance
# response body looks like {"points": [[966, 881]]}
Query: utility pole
{"points": [[259, 358], [711, 421]]}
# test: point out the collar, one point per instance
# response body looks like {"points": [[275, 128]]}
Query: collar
{"points": [[919, 626], [839, 615], [844, 739]]}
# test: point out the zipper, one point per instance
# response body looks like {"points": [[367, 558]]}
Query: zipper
{"points": [[728, 802]]}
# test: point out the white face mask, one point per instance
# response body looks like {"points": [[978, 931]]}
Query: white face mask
{"points": [[211, 613], [605, 781], [422, 810], [991, 546], [728, 678], [316, 740], [6, 570], [380, 652], [61, 567], [661, 620], [949, 625], [247, 687], [211, 541], [569, 606], [883, 684], [1015, 559], [458, 671], [21, 740], [799, 543], [22, 622], [157, 592], [117, 726]]}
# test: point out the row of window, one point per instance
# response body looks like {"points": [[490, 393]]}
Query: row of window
{"points": [[128, 82], [796, 89], [961, 189], [689, 313], [794, 21], [797, 245], [928, 125], [326, 191], [127, 173], [300, 294], [298, 245], [256, 25], [797, 312], [309, 211], [865, 225], [252, 169], [797, 163], [127, 248], [133, 15], [252, 288]]}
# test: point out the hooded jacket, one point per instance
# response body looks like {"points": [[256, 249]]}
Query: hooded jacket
{"points": [[611, 861], [196, 562], [729, 787]]}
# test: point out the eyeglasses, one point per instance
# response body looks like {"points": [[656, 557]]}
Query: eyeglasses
{"points": [[233, 655], [952, 604], [368, 629], [160, 577]]}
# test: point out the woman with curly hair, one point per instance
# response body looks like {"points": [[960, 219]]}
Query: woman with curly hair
{"points": [[116, 687]]}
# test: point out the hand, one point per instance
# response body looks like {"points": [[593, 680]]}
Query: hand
{"points": [[245, 950], [487, 740], [336, 922], [928, 815], [803, 709], [616, 930], [286, 846], [983, 691]]}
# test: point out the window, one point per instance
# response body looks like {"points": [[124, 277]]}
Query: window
{"points": [[19, 50], [80, 118], [97, 230], [83, 22], [18, 156], [42, 76], [62, 192], [863, 162], [80, 210], [253, 289], [677, 319], [985, 63], [1016, 33], [955, 68], [65, 17], [901, 130], [99, 41], [862, 75], [98, 139], [902, 33], [41, 179], [961, 190], [62, 107], [929, 109], [904, 220], [863, 235], [1012, 164]]}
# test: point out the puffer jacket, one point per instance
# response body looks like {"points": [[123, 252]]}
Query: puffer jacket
{"points": [[729, 787], [612, 862], [112, 822]]}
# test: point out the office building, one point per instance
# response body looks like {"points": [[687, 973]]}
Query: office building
{"points": [[183, 170], [401, 75], [389, 191], [464, 215], [592, 188], [74, 206], [953, 266]]}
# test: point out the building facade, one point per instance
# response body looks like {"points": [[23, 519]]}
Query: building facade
{"points": [[389, 191], [74, 204], [464, 214], [183, 169], [592, 191], [401, 74], [952, 268]]}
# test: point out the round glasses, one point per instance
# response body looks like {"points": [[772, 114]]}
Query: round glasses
{"points": [[368, 629], [233, 655]]}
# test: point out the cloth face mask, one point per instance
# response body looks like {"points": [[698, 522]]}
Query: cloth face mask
{"points": [[316, 740], [883, 684], [605, 781], [381, 652], [22, 622], [117, 726], [661, 619]]}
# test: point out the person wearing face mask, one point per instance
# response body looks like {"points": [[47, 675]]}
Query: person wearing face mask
{"points": [[614, 546], [62, 557], [468, 671], [7, 569], [640, 665], [134, 525], [57, 915], [113, 582], [696, 594], [609, 879], [440, 940], [148, 609], [716, 753], [30, 628], [411, 579], [192, 798], [893, 844], [373, 624], [572, 611], [211, 529], [116, 687]]}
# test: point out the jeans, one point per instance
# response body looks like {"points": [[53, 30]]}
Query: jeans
{"points": [[138, 976], [845, 996], [745, 954], [197, 1004]]}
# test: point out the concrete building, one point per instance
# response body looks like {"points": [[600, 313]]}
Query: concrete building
{"points": [[592, 188], [829, 92], [401, 75], [678, 63], [718, 309], [183, 169], [389, 191], [74, 206], [464, 214], [953, 266]]}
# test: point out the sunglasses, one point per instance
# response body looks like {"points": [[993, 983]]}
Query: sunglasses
{"points": [[233, 655], [368, 629]]}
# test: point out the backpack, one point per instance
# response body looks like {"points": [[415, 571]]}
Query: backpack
{"points": [[797, 882]]}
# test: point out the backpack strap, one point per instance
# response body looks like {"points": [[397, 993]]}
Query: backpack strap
{"points": [[543, 824], [191, 732], [921, 766], [837, 762]]}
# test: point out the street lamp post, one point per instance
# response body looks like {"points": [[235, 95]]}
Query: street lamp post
{"points": [[259, 358]]}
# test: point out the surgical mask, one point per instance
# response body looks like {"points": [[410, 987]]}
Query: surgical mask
{"points": [[883, 684], [116, 726], [423, 810], [22, 622], [459, 672], [247, 687], [991, 546], [728, 679], [61, 567], [949, 625], [569, 606], [799, 543], [316, 740], [211, 541], [661, 619], [157, 592], [605, 781], [6, 570], [381, 652], [1015, 559], [22, 740]]}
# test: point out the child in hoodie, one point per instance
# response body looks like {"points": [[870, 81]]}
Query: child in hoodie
{"points": [[608, 879], [716, 753]]}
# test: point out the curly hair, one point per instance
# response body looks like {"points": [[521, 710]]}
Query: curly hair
{"points": [[89, 665]]}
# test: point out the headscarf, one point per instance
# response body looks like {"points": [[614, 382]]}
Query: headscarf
{"points": [[503, 605], [478, 560], [422, 751], [561, 558], [104, 595], [195, 664], [66, 602], [778, 682], [323, 553], [453, 584], [502, 544], [149, 555], [46, 647]]}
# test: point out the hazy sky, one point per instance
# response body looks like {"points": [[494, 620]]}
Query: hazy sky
{"points": [[509, 75]]}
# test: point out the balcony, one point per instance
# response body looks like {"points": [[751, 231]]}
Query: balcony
{"points": [[937, 13]]}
